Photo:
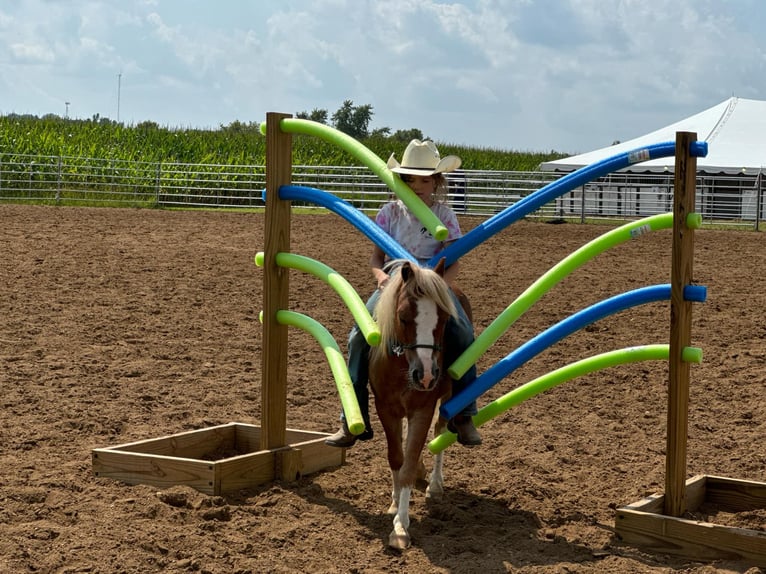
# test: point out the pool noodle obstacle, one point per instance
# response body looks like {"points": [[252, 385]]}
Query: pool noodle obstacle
{"points": [[645, 524], [548, 280], [559, 376], [549, 337], [287, 454], [656, 523]]}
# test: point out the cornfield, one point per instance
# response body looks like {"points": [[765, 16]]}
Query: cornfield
{"points": [[235, 144]]}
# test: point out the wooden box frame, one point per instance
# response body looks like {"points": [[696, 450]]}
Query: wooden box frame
{"points": [[181, 459], [643, 524]]}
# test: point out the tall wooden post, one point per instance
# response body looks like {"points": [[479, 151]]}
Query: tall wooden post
{"points": [[680, 326], [275, 286]]}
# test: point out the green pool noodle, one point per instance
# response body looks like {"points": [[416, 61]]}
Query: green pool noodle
{"points": [[337, 365], [552, 379], [335, 280], [369, 159]]}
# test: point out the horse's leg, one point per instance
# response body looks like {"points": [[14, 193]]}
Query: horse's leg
{"points": [[417, 432], [400, 536], [435, 489], [392, 426]]}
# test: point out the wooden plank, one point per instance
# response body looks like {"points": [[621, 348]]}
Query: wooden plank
{"points": [[189, 444], [247, 437], [655, 503], [681, 274], [692, 539], [696, 492], [275, 285], [296, 437], [246, 471], [736, 495], [155, 470], [652, 503], [316, 455], [176, 459]]}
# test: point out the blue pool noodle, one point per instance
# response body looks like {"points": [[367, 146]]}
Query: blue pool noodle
{"points": [[549, 337], [557, 188], [348, 212]]}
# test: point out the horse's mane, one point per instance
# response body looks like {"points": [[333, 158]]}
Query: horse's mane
{"points": [[424, 283]]}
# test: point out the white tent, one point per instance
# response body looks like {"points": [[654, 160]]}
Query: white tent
{"points": [[735, 131]]}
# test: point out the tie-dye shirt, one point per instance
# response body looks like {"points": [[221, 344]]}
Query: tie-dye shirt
{"points": [[395, 219]]}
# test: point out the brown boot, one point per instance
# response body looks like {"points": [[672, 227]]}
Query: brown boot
{"points": [[463, 427], [344, 439]]}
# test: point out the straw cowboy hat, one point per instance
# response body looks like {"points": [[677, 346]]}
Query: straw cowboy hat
{"points": [[422, 158]]}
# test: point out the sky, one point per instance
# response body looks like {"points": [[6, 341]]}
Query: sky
{"points": [[524, 75]]}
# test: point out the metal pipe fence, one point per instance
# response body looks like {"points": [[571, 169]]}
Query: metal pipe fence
{"points": [[733, 200]]}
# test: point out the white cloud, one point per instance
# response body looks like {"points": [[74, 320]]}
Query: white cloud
{"points": [[568, 75], [33, 53]]}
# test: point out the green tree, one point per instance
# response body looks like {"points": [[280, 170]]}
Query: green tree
{"points": [[353, 120], [407, 136], [316, 115], [380, 132]]}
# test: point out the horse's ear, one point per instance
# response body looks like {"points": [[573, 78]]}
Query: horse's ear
{"points": [[406, 270], [440, 267]]}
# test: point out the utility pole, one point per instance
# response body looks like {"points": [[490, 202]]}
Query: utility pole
{"points": [[66, 112], [119, 85]]}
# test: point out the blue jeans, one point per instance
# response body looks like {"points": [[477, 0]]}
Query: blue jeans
{"points": [[458, 335]]}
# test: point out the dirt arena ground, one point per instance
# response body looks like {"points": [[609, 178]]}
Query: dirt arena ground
{"points": [[124, 325]]}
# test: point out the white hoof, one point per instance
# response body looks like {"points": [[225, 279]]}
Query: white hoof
{"points": [[399, 540], [393, 509]]}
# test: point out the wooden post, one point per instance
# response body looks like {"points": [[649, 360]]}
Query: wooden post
{"points": [[275, 286], [680, 326]]}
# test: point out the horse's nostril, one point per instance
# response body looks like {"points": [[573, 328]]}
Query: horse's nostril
{"points": [[416, 375]]}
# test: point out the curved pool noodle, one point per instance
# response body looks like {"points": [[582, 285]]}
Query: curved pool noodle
{"points": [[365, 156], [551, 191], [550, 278], [550, 336], [555, 378], [335, 280], [348, 212], [337, 364]]}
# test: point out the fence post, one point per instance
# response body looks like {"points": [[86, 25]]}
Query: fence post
{"points": [[58, 183], [582, 205], [758, 197], [31, 175], [157, 180]]}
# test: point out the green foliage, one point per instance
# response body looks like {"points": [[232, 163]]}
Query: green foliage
{"points": [[235, 144], [353, 120], [316, 115]]}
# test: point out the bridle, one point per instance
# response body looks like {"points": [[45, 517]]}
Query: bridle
{"points": [[399, 348]]}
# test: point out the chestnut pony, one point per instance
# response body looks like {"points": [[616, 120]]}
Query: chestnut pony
{"points": [[408, 377]]}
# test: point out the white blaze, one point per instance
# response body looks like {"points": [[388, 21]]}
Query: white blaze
{"points": [[425, 323]]}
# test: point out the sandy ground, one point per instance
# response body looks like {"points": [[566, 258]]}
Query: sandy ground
{"points": [[124, 325]]}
